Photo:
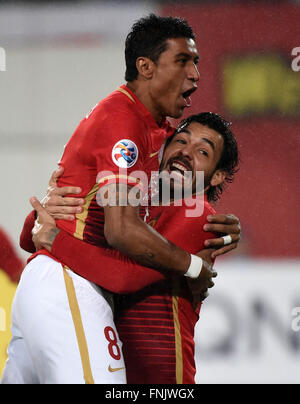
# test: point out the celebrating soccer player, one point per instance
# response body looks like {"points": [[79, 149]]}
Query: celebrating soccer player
{"points": [[63, 328]]}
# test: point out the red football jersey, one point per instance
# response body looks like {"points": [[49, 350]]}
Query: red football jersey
{"points": [[117, 139], [156, 325], [134, 143]]}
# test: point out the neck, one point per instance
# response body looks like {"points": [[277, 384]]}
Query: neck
{"points": [[140, 89]]}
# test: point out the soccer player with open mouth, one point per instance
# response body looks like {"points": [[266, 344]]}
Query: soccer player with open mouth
{"points": [[63, 327]]}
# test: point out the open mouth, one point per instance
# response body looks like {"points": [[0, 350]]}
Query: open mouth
{"points": [[180, 168], [186, 95]]}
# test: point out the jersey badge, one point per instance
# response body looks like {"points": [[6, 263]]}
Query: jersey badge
{"points": [[125, 153]]}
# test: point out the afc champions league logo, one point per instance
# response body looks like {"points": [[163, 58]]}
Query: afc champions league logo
{"points": [[125, 153]]}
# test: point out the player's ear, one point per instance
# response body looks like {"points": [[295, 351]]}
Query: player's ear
{"points": [[218, 178], [145, 67]]}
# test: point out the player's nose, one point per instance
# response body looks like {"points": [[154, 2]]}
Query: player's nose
{"points": [[187, 151], [193, 73], [187, 157]]}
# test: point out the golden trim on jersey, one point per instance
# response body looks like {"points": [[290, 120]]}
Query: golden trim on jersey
{"points": [[178, 341], [123, 179], [77, 320], [121, 176], [81, 217], [154, 154], [122, 90]]}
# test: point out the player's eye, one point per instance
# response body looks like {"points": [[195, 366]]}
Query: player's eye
{"points": [[204, 152], [182, 141], [182, 61]]}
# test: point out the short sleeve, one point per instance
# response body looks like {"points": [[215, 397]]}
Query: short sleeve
{"points": [[121, 145]]}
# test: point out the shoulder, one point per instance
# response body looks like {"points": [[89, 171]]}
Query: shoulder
{"points": [[117, 117], [119, 109], [113, 119], [190, 218]]}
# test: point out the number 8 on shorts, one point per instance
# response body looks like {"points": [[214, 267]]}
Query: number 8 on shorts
{"points": [[113, 347]]}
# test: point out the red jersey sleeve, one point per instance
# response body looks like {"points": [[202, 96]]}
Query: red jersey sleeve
{"points": [[120, 154], [119, 274], [26, 242], [9, 260], [105, 267]]}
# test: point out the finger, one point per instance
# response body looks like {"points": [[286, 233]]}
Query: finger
{"points": [[58, 200], [219, 242], [223, 228], [202, 253], [225, 219], [64, 210], [211, 274], [55, 176], [207, 273], [204, 296], [224, 250], [36, 227], [66, 191], [200, 297], [41, 212], [59, 216]]}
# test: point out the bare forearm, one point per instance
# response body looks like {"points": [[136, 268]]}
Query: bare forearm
{"points": [[148, 248], [51, 236]]}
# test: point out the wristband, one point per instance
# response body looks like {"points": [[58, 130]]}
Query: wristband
{"points": [[195, 267]]}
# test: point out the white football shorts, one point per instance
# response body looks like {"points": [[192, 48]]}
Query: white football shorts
{"points": [[62, 330]]}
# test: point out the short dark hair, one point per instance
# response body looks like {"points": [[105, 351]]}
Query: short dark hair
{"points": [[148, 37], [229, 159]]}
